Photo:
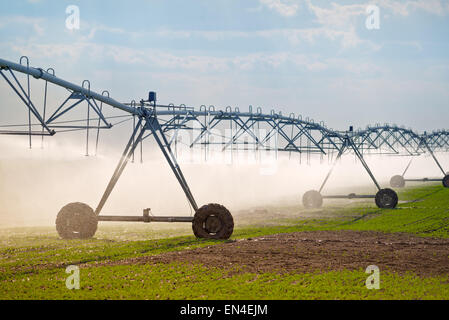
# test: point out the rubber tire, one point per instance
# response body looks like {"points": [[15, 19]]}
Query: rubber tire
{"points": [[387, 199], [76, 221], [397, 182], [446, 181], [312, 199], [224, 218]]}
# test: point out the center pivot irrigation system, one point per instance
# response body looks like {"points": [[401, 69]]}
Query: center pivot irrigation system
{"points": [[290, 134]]}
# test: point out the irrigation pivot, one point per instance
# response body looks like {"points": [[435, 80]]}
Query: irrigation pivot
{"points": [[256, 131]]}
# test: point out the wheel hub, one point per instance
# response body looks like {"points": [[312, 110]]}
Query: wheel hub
{"points": [[212, 224], [386, 199]]}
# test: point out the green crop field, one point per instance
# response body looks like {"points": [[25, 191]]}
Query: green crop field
{"points": [[33, 261]]}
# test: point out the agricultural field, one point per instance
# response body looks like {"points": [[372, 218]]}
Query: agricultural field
{"points": [[278, 252]]}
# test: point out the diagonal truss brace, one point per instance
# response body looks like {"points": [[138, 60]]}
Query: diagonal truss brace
{"points": [[349, 143], [147, 123], [433, 156]]}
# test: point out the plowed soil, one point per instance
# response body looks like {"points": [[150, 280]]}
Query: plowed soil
{"points": [[318, 251]]}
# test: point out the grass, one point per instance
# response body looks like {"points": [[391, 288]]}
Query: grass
{"points": [[427, 215], [178, 281], [33, 260]]}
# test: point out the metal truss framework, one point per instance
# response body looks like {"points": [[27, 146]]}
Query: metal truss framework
{"points": [[228, 128]]}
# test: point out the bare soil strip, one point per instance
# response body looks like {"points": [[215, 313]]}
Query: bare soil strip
{"points": [[317, 251]]}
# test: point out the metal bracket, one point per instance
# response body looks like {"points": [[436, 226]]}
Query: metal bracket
{"points": [[146, 215]]}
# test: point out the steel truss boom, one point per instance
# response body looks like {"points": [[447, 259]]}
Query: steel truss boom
{"points": [[293, 133]]}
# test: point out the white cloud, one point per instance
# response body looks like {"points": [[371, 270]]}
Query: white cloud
{"points": [[286, 8], [35, 23], [339, 22], [337, 16], [295, 36], [152, 59], [336, 22], [338, 12], [94, 29], [404, 8]]}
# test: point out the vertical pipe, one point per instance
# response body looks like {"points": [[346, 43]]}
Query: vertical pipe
{"points": [[232, 140], [98, 130], [133, 104], [141, 148], [87, 129], [43, 114], [87, 97], [29, 97]]}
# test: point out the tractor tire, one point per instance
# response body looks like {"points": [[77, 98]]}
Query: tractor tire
{"points": [[76, 221], [312, 199], [386, 199], [397, 182], [446, 181], [213, 221]]}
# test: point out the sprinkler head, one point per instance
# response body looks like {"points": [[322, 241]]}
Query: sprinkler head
{"points": [[152, 96]]}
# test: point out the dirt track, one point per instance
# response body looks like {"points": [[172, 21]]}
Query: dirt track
{"points": [[319, 251]]}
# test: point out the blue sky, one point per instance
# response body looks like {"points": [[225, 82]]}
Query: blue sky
{"points": [[314, 58]]}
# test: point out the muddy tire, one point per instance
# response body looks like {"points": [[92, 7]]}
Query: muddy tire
{"points": [[76, 221], [446, 181], [386, 199], [213, 221], [312, 199], [397, 182]]}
